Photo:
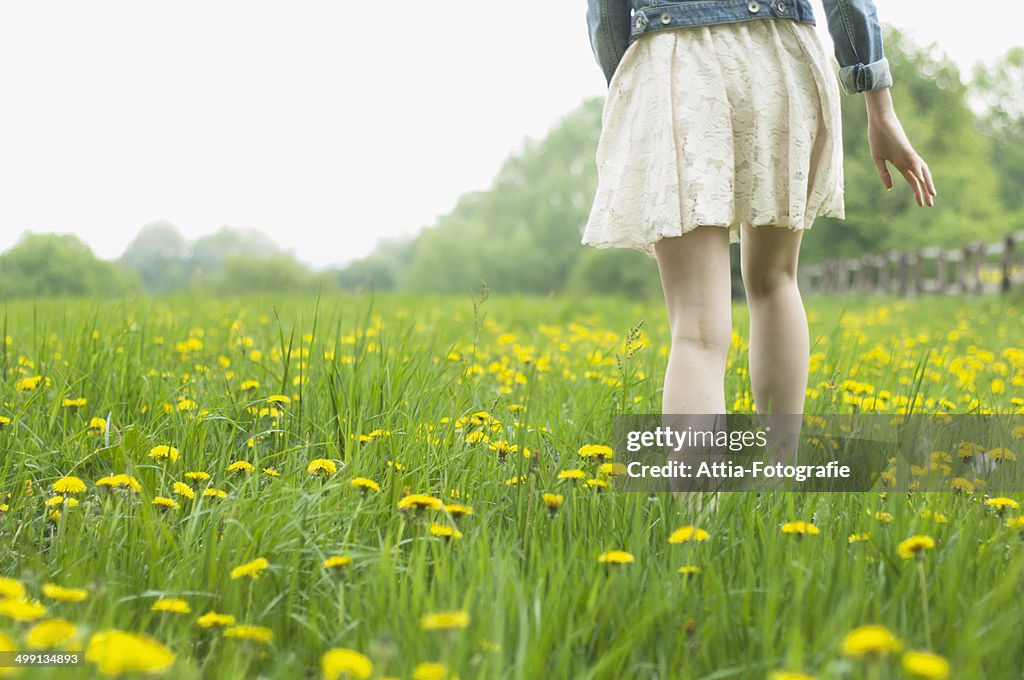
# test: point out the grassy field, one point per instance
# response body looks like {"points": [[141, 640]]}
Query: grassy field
{"points": [[271, 436]]}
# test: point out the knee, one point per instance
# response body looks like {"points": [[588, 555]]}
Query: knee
{"points": [[763, 284], [710, 342]]}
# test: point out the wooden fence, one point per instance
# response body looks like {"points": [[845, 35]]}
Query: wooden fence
{"points": [[974, 269]]}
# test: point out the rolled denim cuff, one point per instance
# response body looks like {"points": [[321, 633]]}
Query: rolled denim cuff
{"points": [[861, 77]]}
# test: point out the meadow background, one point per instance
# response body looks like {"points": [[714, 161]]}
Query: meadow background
{"points": [[216, 462], [445, 396]]}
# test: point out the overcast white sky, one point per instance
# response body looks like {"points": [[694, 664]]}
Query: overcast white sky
{"points": [[325, 123]]}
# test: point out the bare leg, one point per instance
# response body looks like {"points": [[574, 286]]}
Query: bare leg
{"points": [[696, 281], [779, 338]]}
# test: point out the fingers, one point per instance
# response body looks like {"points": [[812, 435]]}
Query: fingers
{"points": [[916, 185], [883, 173], [923, 176], [928, 179]]}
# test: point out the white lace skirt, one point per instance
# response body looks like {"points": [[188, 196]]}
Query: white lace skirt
{"points": [[718, 125]]}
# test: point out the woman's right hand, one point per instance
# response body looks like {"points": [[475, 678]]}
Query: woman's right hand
{"points": [[889, 142]]}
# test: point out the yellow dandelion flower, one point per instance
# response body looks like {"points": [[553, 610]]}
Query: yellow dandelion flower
{"points": [[339, 664], [915, 546], [420, 502], [688, 533], [68, 485], [572, 474], [689, 570], [250, 385], [120, 481], [1002, 503], [116, 652], [62, 594], [444, 531], [21, 609], [1016, 522], [241, 466], [197, 476], [271, 472], [73, 403], [883, 517], [858, 538], [429, 670], [503, 448], [969, 449], [337, 562], [183, 490], [445, 620], [280, 399], [215, 493], [870, 640], [11, 588], [786, 675], [165, 503], [375, 434], [253, 569], [456, 510], [553, 501], [612, 470], [365, 485], [1002, 453], [28, 384], [925, 665], [321, 466], [799, 527], [615, 557], [170, 604], [596, 451], [163, 452], [961, 484], [259, 634], [50, 633], [476, 437], [211, 619]]}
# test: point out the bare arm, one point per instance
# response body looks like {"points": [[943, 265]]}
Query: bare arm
{"points": [[889, 142]]}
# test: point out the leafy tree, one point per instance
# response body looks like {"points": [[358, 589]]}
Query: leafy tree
{"points": [[280, 273], [209, 254], [1000, 90], [381, 269], [157, 254], [59, 265], [523, 234]]}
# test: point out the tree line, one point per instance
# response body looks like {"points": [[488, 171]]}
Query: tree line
{"points": [[522, 235]]}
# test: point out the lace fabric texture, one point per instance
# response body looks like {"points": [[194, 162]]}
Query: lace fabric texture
{"points": [[718, 125]]}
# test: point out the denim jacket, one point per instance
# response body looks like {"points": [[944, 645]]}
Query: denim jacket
{"points": [[853, 24]]}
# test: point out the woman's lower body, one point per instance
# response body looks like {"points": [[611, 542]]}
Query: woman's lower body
{"points": [[716, 135]]}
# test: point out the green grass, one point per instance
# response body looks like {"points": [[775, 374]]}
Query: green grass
{"points": [[540, 603]]}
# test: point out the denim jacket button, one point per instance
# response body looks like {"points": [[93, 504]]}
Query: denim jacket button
{"points": [[779, 6], [666, 18], [754, 6]]}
